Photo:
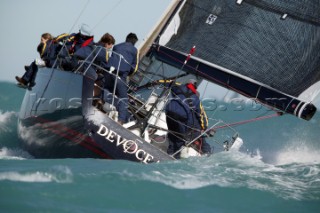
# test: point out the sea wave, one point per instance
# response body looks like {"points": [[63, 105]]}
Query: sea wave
{"points": [[14, 154], [59, 174], [237, 170]]}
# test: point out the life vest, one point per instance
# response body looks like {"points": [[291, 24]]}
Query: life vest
{"points": [[80, 41], [73, 42]]}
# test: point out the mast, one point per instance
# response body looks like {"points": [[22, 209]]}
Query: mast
{"points": [[151, 37]]}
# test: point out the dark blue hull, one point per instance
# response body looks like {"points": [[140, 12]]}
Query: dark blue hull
{"points": [[57, 120]]}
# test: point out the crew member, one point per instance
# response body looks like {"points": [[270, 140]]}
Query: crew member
{"points": [[47, 52], [70, 44], [98, 52], [124, 60], [186, 119]]}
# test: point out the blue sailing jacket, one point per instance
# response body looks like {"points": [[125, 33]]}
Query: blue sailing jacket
{"points": [[129, 62], [48, 53], [185, 106], [87, 52]]}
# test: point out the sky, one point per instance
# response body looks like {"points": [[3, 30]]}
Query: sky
{"points": [[22, 23]]}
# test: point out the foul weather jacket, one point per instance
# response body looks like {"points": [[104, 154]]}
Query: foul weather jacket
{"points": [[124, 58], [186, 106]]}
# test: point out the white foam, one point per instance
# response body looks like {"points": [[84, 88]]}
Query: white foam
{"points": [[205, 171], [5, 118], [61, 174], [303, 155], [28, 177], [298, 153], [236, 169], [14, 154]]}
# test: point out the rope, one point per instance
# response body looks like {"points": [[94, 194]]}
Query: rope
{"points": [[248, 121]]}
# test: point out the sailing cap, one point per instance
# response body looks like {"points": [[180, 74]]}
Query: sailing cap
{"points": [[85, 30]]}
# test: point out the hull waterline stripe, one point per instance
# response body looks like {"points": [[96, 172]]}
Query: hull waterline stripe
{"points": [[63, 131]]}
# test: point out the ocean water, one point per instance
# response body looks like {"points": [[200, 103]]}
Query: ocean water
{"points": [[276, 170]]}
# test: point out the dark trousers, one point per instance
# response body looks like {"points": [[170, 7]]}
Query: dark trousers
{"points": [[121, 92], [176, 137], [182, 132], [31, 72]]}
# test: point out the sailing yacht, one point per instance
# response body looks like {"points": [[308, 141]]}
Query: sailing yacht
{"points": [[266, 51]]}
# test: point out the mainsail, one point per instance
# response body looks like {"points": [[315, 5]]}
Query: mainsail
{"points": [[267, 50]]}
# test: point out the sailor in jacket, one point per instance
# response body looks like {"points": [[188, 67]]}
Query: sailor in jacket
{"points": [[186, 119], [98, 52], [70, 45], [124, 60], [47, 52]]}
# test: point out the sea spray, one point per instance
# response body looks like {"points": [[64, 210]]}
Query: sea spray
{"points": [[5, 119]]}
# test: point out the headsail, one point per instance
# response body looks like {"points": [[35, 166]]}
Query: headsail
{"points": [[261, 49]]}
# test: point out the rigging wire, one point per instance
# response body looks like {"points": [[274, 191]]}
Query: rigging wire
{"points": [[106, 15], [82, 11], [215, 127], [53, 70], [205, 89]]}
